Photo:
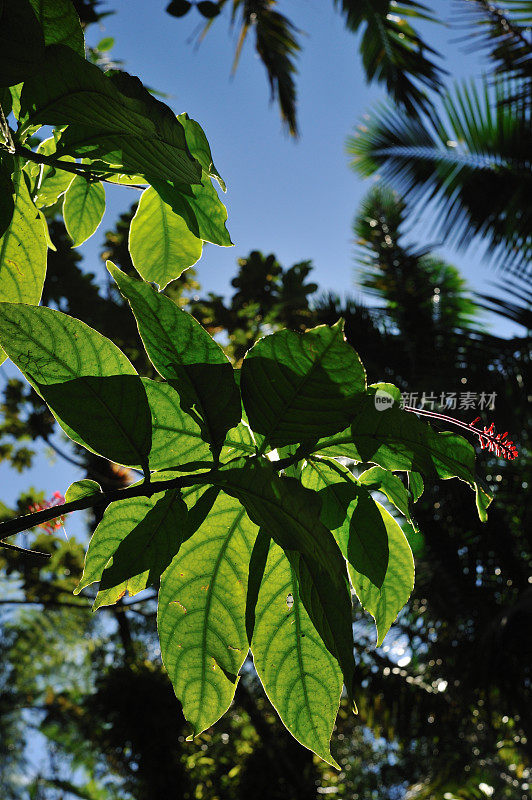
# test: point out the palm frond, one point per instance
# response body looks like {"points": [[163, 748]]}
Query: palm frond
{"points": [[474, 161], [519, 312], [504, 31], [276, 45], [392, 51]]}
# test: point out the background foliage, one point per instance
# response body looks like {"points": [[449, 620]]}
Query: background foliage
{"points": [[452, 720]]}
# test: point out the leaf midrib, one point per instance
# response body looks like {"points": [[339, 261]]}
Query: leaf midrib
{"points": [[235, 524]]}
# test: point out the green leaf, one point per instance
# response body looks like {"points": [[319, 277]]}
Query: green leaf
{"points": [[202, 210], [23, 250], [88, 383], [301, 678], [359, 525], [82, 488], [114, 118], [300, 386], [385, 603], [53, 182], [291, 516], [351, 514], [160, 243], [398, 440], [83, 209], [60, 24], [105, 44], [415, 485], [176, 436], [184, 353], [141, 535], [199, 147], [202, 613], [239, 441], [21, 42], [384, 481]]}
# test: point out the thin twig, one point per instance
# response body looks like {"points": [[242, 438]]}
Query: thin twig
{"points": [[23, 550], [88, 171], [145, 489]]}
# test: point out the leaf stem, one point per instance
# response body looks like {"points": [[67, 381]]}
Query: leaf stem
{"points": [[88, 171], [145, 489], [18, 524]]}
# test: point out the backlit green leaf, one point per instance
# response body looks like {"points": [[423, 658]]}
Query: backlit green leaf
{"points": [[202, 210], [160, 244], [82, 488], [83, 209], [349, 511], [415, 485], [52, 182], [385, 604], [60, 23], [23, 251], [290, 514], [369, 538], [184, 353], [238, 442], [113, 118], [202, 613], [382, 480], [297, 386], [176, 436], [299, 675], [199, 147], [88, 383], [141, 535]]}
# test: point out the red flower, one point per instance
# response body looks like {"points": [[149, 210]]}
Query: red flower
{"points": [[489, 440], [51, 525]]}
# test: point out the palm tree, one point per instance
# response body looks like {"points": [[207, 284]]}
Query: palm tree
{"points": [[393, 52], [473, 160]]}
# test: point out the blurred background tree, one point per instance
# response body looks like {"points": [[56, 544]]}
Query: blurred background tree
{"points": [[447, 698]]}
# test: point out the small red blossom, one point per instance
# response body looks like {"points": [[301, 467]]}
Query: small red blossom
{"points": [[495, 442], [489, 440], [51, 525]]}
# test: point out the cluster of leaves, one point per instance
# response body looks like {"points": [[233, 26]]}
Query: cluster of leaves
{"points": [[441, 741], [245, 557], [46, 80], [247, 519]]}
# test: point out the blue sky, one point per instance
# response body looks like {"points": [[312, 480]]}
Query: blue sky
{"points": [[294, 198]]}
